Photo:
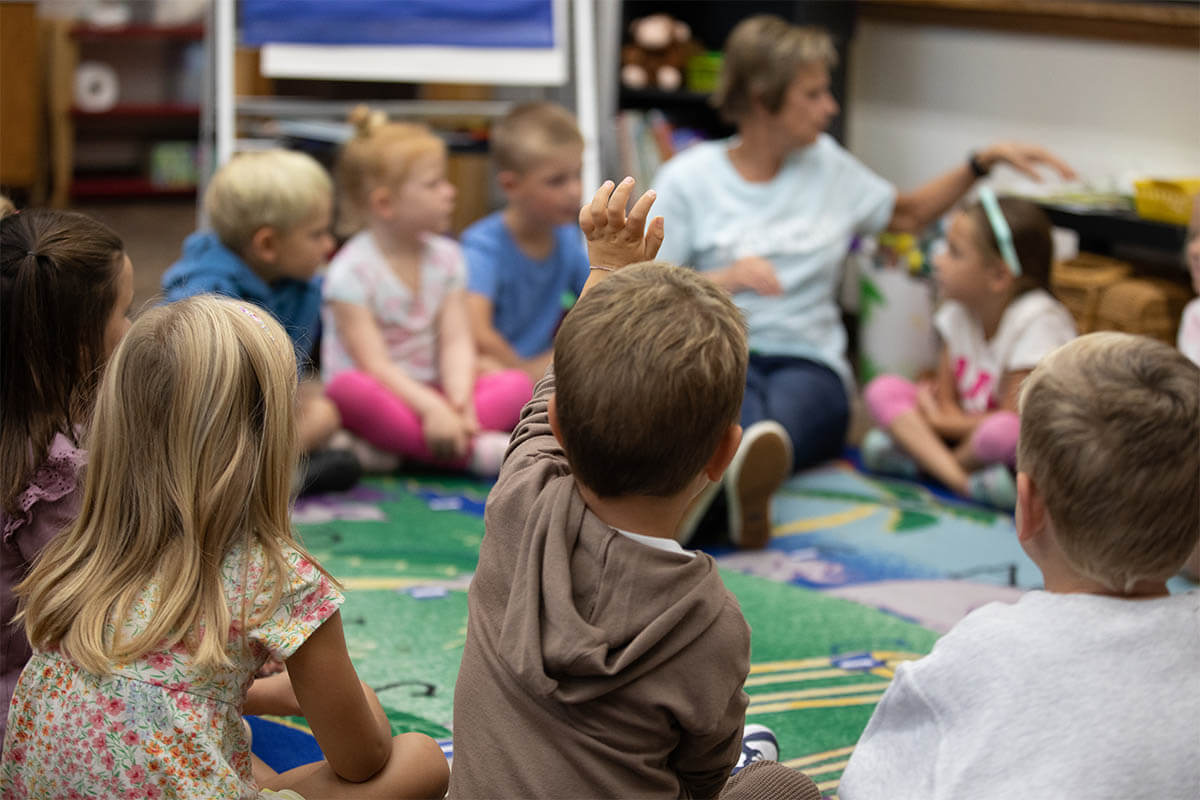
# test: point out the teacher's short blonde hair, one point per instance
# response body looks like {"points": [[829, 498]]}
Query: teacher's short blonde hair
{"points": [[763, 55]]}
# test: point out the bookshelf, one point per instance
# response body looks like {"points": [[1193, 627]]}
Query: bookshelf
{"points": [[652, 124]]}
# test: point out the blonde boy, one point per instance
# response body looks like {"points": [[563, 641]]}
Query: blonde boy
{"points": [[602, 659], [527, 262], [1089, 688], [270, 213]]}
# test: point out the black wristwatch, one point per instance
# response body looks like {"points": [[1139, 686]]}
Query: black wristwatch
{"points": [[977, 167]]}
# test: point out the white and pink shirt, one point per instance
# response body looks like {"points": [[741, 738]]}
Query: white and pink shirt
{"points": [[360, 274], [1033, 325]]}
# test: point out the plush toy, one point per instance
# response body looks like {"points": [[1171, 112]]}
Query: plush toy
{"points": [[658, 51]]}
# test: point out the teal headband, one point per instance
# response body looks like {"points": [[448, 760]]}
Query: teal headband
{"points": [[1004, 237]]}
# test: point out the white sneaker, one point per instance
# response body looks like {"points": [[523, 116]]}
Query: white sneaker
{"points": [[487, 453], [373, 459], [762, 463], [758, 744]]}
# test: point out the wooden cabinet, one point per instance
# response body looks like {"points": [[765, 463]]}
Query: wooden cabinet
{"points": [[20, 101]]}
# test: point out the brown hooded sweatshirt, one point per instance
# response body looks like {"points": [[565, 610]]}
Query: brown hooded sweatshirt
{"points": [[594, 666]]}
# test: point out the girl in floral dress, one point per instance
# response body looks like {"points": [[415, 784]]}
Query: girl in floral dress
{"points": [[65, 289], [150, 615]]}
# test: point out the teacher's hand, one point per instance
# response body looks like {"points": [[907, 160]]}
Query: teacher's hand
{"points": [[1024, 158], [752, 274]]}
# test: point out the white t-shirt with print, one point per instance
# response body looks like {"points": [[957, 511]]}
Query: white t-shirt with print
{"points": [[803, 221], [1033, 325], [360, 274]]}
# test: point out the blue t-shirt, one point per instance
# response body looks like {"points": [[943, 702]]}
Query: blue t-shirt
{"points": [[802, 221], [527, 296], [209, 267]]}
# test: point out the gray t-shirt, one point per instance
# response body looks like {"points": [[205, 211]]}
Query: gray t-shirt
{"points": [[1058, 695]]}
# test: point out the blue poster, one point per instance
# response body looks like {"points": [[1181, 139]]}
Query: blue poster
{"points": [[446, 23]]}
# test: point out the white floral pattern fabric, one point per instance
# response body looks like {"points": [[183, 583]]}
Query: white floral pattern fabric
{"points": [[159, 727]]}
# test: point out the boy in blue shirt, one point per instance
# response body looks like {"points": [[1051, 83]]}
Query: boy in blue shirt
{"points": [[270, 213], [528, 262]]}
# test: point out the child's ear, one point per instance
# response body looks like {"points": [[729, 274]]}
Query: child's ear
{"points": [[718, 462], [1031, 514], [508, 180], [264, 245], [379, 200]]}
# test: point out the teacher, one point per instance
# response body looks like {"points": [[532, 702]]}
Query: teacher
{"points": [[769, 215]]}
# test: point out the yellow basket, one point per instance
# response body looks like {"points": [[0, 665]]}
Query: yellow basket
{"points": [[1166, 201]]}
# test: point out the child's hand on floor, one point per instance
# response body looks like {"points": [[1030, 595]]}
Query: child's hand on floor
{"points": [[446, 432], [613, 239]]}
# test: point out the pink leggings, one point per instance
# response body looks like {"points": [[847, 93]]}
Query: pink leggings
{"points": [[994, 440], [371, 411]]}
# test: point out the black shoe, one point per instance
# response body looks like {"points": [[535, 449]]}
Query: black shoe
{"points": [[329, 471]]}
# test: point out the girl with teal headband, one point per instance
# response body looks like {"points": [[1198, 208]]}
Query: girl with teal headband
{"points": [[997, 320]]}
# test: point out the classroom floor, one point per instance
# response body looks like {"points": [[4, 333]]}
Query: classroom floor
{"points": [[860, 575]]}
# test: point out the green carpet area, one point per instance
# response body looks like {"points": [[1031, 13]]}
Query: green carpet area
{"points": [[405, 548]]}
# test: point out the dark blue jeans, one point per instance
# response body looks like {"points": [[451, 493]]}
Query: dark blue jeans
{"points": [[804, 396]]}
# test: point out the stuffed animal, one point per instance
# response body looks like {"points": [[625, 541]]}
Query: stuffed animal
{"points": [[657, 53]]}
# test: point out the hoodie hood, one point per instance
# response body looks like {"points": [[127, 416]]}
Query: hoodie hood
{"points": [[589, 610]]}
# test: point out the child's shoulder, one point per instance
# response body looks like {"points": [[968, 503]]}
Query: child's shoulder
{"points": [[206, 265], [486, 230]]}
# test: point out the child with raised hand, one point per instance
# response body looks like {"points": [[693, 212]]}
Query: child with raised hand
{"points": [[66, 286], [527, 263], [997, 321], [1088, 688], [150, 615], [602, 659], [270, 212], [397, 353]]}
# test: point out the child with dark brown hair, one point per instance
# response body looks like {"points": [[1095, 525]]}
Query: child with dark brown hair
{"points": [[602, 659], [998, 319], [65, 290]]}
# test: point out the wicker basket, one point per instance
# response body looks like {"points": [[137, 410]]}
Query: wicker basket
{"points": [[1147, 306], [1079, 283]]}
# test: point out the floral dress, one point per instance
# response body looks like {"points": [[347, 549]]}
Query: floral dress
{"points": [[158, 727]]}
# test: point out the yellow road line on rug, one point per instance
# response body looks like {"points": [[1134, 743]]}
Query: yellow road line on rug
{"points": [[817, 758], [824, 691], [827, 769], [886, 656], [835, 520], [800, 705]]}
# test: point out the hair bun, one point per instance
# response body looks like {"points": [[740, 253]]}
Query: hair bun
{"points": [[366, 121]]}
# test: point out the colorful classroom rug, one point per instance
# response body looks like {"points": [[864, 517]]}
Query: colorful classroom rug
{"points": [[861, 574]]}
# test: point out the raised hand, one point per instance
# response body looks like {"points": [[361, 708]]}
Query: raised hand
{"points": [[615, 240]]}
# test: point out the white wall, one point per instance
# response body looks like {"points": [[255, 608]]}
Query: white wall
{"points": [[922, 97]]}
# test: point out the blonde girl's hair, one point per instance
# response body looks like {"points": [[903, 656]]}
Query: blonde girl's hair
{"points": [[277, 188], [191, 452], [380, 153], [58, 289]]}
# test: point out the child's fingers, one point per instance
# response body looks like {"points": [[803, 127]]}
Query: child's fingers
{"points": [[617, 204], [594, 213], [637, 216], [654, 238]]}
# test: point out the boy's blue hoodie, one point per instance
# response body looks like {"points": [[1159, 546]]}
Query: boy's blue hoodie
{"points": [[209, 267]]}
